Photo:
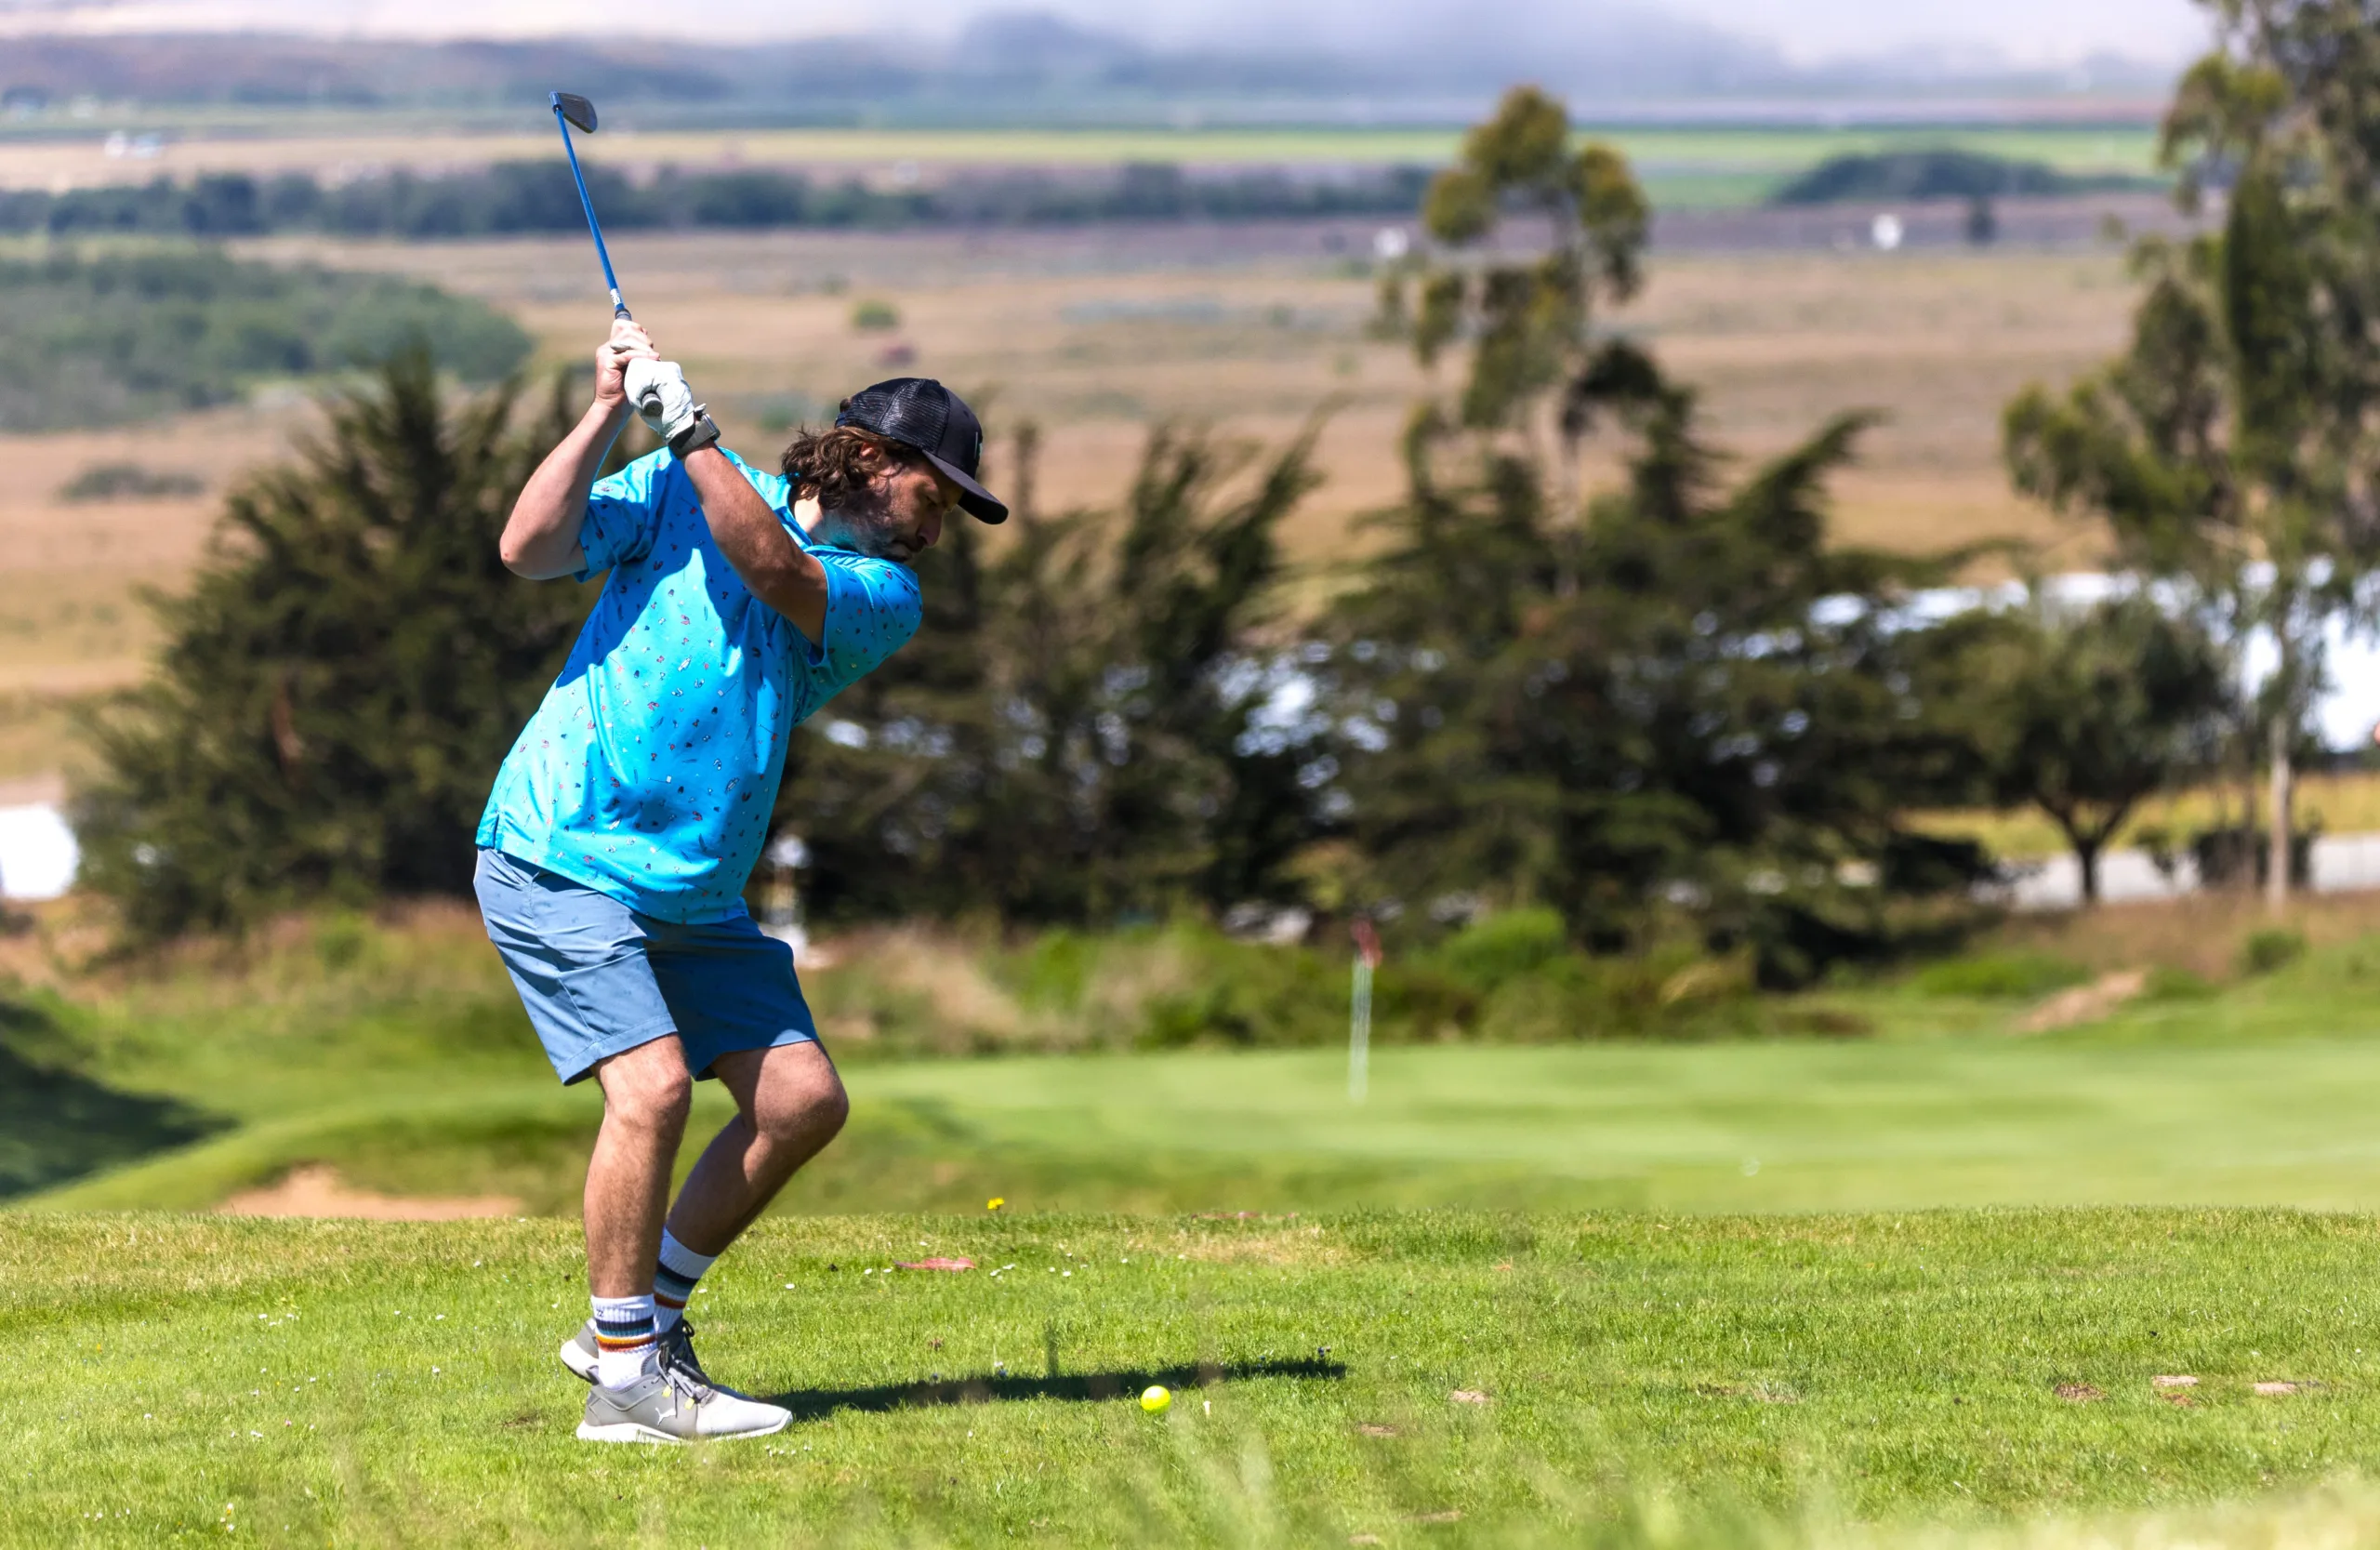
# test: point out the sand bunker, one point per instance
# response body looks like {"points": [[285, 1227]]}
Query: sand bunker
{"points": [[315, 1190]]}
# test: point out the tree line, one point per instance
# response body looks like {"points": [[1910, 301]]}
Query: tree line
{"points": [[1669, 711], [533, 196]]}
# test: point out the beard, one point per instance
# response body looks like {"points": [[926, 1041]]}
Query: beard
{"points": [[864, 527]]}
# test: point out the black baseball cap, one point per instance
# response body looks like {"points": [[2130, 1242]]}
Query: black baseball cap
{"points": [[921, 412]]}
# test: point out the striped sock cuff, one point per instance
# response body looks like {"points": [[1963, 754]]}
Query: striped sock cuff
{"points": [[623, 1323], [679, 1269]]}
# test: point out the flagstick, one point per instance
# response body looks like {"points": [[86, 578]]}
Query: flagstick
{"points": [[1360, 1034], [1359, 1012]]}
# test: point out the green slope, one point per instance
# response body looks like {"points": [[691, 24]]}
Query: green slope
{"points": [[416, 1074]]}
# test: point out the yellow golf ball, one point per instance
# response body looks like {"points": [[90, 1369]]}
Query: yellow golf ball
{"points": [[1155, 1398]]}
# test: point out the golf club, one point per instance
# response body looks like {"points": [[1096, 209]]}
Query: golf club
{"points": [[572, 110]]}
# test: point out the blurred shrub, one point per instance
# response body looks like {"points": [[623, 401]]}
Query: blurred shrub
{"points": [[874, 315], [1054, 971], [907, 991], [1504, 945], [2011, 976], [2274, 948], [2167, 984], [124, 480]]}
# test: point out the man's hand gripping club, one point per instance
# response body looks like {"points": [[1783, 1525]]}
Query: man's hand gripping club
{"points": [[666, 404], [541, 540]]}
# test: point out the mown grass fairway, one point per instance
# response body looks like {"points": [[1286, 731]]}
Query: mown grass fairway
{"points": [[1676, 1373], [298, 1383]]}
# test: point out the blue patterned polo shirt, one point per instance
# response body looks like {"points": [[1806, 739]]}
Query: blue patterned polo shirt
{"points": [[650, 771]]}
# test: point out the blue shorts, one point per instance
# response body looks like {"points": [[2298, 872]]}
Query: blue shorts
{"points": [[597, 977]]}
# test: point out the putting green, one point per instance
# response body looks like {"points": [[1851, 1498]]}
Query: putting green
{"points": [[1770, 1127], [1711, 1127]]}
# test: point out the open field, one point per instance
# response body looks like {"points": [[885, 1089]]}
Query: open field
{"points": [[1402, 1380], [1684, 168], [1098, 334]]}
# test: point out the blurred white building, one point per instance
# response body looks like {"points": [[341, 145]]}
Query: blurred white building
{"points": [[37, 852]]}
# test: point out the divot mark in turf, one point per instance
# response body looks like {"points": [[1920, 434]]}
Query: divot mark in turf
{"points": [[1468, 1397], [2173, 1379], [2273, 1388], [2078, 1394], [1371, 1428]]}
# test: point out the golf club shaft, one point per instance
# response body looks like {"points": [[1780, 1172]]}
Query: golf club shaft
{"points": [[619, 308]]}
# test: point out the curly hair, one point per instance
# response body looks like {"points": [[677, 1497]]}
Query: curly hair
{"points": [[826, 464]]}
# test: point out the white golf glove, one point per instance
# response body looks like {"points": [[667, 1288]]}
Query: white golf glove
{"points": [[666, 404]]}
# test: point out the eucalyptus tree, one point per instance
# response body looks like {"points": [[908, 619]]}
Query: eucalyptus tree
{"points": [[1535, 235], [2234, 444]]}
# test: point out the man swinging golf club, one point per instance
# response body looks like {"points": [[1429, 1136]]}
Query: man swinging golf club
{"points": [[625, 822]]}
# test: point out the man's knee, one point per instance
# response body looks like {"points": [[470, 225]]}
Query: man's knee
{"points": [[647, 1088], [807, 1112]]}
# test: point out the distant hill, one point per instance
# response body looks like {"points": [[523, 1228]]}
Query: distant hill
{"points": [[1918, 176], [1399, 65], [236, 68]]}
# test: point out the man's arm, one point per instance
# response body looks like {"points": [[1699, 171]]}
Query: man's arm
{"points": [[778, 571], [540, 539]]}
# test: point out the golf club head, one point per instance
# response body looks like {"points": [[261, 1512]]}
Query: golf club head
{"points": [[576, 108]]}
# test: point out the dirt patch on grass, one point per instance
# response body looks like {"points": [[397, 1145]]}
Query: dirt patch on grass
{"points": [[1288, 1246], [2085, 1004], [315, 1190]]}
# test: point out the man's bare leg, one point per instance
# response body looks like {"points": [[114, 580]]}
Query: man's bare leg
{"points": [[646, 1095], [789, 1104]]}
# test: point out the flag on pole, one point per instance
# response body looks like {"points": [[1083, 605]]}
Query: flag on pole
{"points": [[1359, 1011]]}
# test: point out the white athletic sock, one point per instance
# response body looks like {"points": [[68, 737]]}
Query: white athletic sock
{"points": [[673, 1281], [624, 1340]]}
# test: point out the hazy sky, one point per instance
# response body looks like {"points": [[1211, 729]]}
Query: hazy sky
{"points": [[2031, 31], [2027, 29]]}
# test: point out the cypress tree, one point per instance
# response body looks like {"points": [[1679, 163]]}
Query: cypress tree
{"points": [[344, 674]]}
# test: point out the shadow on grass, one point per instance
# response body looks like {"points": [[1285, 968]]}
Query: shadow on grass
{"points": [[815, 1404], [57, 1124]]}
